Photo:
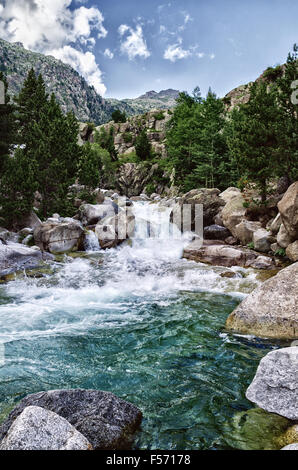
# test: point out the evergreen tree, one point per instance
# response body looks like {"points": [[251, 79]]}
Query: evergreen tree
{"points": [[7, 125], [17, 188], [106, 141], [252, 136], [30, 103], [143, 146], [53, 144], [117, 116], [90, 165], [287, 125]]}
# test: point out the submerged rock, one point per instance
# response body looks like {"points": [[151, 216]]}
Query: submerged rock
{"points": [[40, 429], [271, 309], [104, 419], [255, 429], [275, 386], [289, 437]]}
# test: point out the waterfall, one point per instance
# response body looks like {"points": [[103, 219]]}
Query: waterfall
{"points": [[91, 242]]}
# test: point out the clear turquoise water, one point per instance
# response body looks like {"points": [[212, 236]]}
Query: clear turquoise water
{"points": [[141, 323]]}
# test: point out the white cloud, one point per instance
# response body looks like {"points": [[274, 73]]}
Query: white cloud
{"points": [[133, 44], [176, 52], [50, 27], [84, 63], [212, 56], [109, 54], [200, 55]]}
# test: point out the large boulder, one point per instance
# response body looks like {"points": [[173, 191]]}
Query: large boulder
{"points": [[275, 386], [112, 231], [291, 447], [216, 232], [288, 208], [262, 240], [59, 237], [17, 257], [229, 194], [244, 231], [292, 251], [90, 214], [104, 419], [233, 213], [39, 429], [208, 198], [275, 224], [218, 254], [271, 309], [283, 238]]}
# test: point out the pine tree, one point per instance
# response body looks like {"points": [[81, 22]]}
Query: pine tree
{"points": [[54, 146], [287, 125], [90, 165], [143, 146], [30, 103], [7, 125], [252, 136], [17, 188]]}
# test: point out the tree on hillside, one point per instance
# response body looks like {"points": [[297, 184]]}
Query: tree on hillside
{"points": [[143, 146], [30, 103], [287, 125], [105, 139], [17, 188], [195, 142], [117, 116], [211, 163], [252, 137], [7, 125], [90, 165], [54, 146]]}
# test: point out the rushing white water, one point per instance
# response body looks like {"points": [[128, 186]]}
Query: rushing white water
{"points": [[148, 269]]}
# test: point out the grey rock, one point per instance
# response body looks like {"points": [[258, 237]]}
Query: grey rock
{"points": [[104, 419], [292, 251], [90, 214], [39, 429], [291, 447], [288, 208], [216, 232], [275, 386], [270, 311], [245, 231], [59, 236], [262, 240], [283, 238], [17, 257], [275, 224]]}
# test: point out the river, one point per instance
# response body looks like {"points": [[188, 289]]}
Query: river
{"points": [[140, 322]]}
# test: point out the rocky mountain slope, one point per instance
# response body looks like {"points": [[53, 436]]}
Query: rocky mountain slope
{"points": [[72, 90], [165, 99]]}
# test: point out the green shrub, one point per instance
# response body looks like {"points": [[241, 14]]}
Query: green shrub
{"points": [[272, 73], [159, 116], [127, 137], [117, 116]]}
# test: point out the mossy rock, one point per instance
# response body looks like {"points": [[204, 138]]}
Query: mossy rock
{"points": [[255, 429]]}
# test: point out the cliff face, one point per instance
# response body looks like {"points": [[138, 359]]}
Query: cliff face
{"points": [[154, 122], [72, 90]]}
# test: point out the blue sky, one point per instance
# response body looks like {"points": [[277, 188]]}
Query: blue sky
{"points": [[127, 47]]}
